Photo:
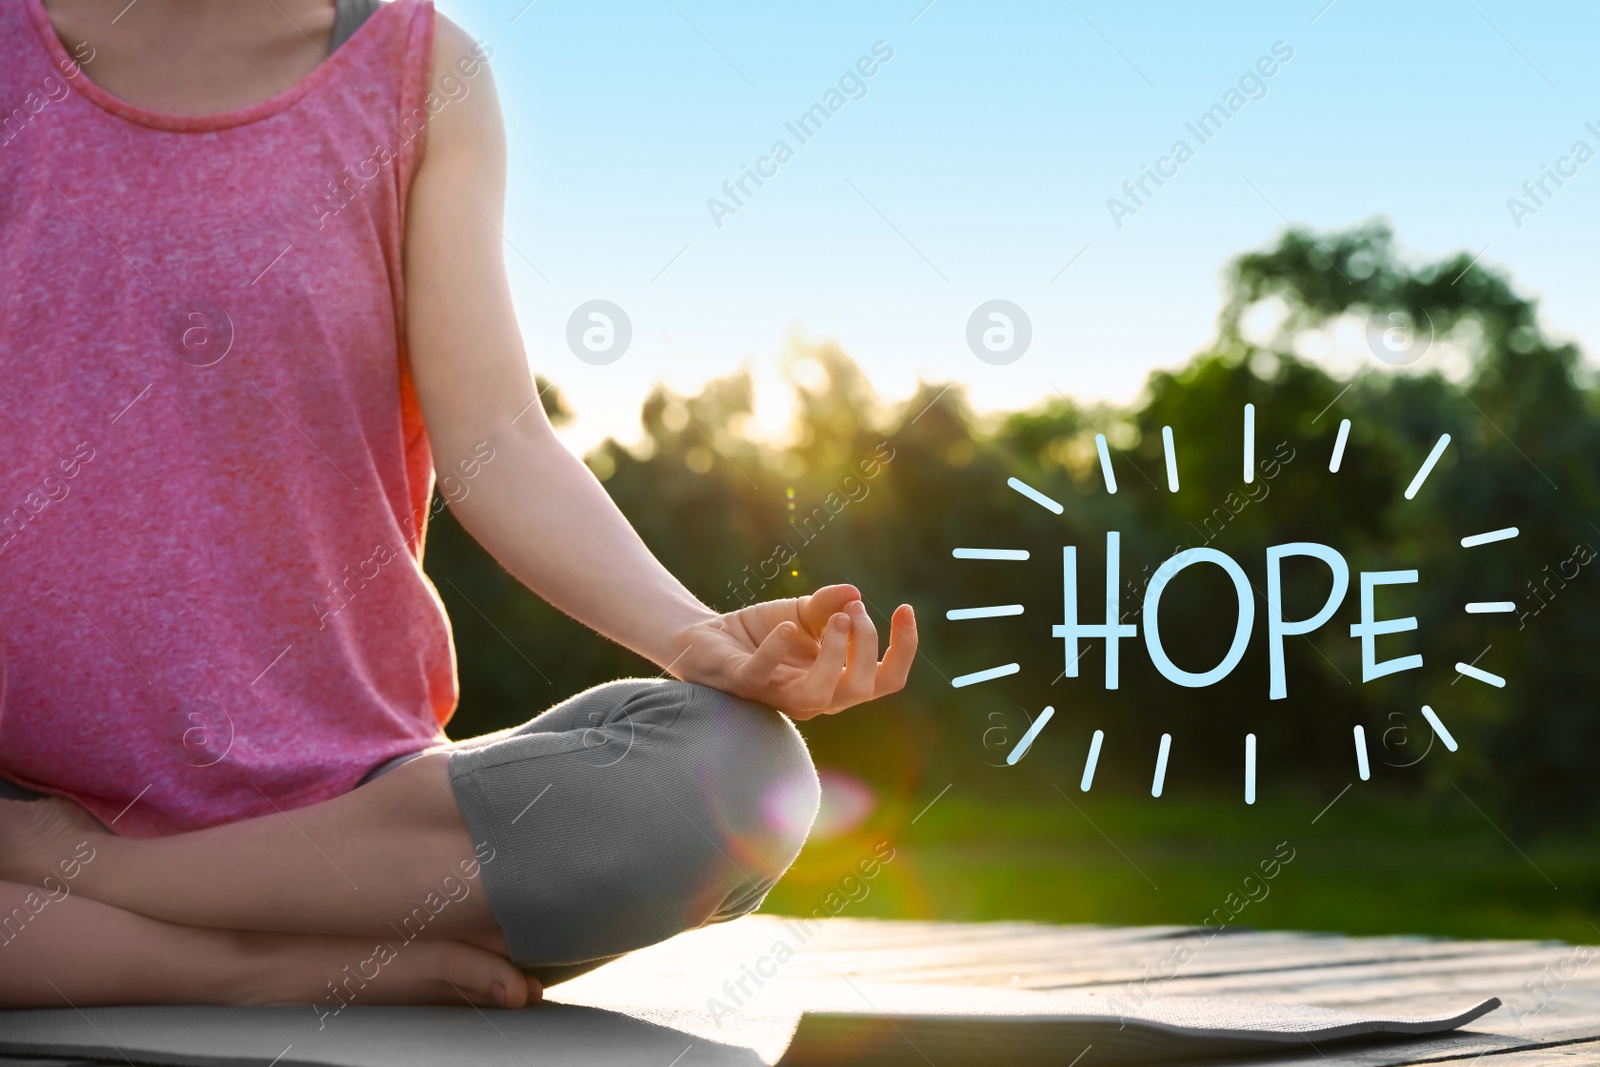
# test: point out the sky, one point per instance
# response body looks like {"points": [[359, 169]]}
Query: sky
{"points": [[976, 164]]}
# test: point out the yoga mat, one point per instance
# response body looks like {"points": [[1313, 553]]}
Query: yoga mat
{"points": [[793, 1024], [956, 1027]]}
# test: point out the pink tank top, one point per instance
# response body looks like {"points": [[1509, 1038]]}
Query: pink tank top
{"points": [[215, 482]]}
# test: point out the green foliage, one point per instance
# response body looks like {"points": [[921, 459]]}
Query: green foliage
{"points": [[879, 498], [1367, 866]]}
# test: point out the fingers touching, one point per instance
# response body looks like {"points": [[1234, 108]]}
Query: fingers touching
{"points": [[815, 610], [846, 670], [758, 670]]}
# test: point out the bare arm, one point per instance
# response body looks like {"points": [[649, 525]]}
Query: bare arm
{"points": [[536, 507]]}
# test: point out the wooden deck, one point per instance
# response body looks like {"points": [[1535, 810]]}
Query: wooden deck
{"points": [[1551, 991]]}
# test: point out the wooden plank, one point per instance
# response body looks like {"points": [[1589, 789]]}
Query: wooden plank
{"points": [[1509, 973], [1444, 1052], [1043, 940], [1088, 969], [1571, 1055], [1321, 964], [1408, 974], [1557, 1011], [1039, 959]]}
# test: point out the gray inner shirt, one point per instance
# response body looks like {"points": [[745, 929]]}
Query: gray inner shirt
{"points": [[349, 16]]}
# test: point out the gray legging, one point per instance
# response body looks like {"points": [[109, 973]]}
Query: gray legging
{"points": [[626, 814]]}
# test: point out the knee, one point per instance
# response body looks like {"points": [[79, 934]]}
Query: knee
{"points": [[757, 787], [672, 806]]}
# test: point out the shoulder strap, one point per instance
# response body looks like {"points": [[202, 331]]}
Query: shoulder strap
{"points": [[349, 16]]}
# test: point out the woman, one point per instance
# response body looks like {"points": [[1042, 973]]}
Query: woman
{"points": [[253, 298]]}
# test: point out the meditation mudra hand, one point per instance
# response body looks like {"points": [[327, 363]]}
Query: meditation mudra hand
{"points": [[342, 851], [807, 656]]}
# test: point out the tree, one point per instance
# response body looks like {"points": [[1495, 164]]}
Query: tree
{"points": [[880, 497]]}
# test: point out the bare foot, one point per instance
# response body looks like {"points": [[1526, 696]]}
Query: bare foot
{"points": [[332, 973], [38, 836]]}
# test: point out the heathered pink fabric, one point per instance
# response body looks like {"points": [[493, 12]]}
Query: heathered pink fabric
{"points": [[215, 481]]}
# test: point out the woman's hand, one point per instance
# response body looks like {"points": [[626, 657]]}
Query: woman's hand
{"points": [[805, 656]]}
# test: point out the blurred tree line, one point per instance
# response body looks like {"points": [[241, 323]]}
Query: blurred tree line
{"points": [[879, 497]]}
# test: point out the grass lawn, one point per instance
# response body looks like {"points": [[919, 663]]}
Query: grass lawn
{"points": [[1365, 866]]}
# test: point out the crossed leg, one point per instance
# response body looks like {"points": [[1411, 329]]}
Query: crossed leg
{"points": [[79, 952], [349, 865], [675, 830], [239, 914]]}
